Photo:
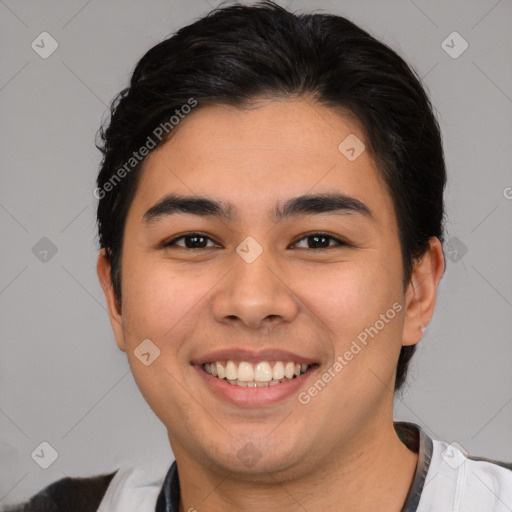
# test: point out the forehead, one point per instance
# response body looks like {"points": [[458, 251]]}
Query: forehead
{"points": [[259, 156]]}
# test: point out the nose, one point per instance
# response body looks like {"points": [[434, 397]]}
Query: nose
{"points": [[255, 295]]}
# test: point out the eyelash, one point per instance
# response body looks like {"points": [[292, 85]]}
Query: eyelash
{"points": [[172, 242]]}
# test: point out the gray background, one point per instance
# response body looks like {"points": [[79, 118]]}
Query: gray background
{"points": [[63, 379]]}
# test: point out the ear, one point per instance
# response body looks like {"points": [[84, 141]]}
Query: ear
{"points": [[421, 292], [103, 269]]}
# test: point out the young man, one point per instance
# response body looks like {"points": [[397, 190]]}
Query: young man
{"points": [[271, 223]]}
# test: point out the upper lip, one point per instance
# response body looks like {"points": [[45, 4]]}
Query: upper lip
{"points": [[251, 356]]}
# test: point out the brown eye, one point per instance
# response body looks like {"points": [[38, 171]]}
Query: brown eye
{"points": [[200, 241], [321, 241], [191, 241]]}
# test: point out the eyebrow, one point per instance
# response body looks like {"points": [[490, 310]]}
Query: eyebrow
{"points": [[335, 203]]}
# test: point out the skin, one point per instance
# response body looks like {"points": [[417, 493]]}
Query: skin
{"points": [[340, 451]]}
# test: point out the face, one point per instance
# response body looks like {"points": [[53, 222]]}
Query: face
{"points": [[260, 282]]}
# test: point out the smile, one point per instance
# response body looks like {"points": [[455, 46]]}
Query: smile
{"points": [[261, 374]]}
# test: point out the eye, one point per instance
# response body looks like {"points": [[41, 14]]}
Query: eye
{"points": [[192, 241], [321, 241], [200, 241]]}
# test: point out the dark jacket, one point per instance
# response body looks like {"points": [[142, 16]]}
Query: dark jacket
{"points": [[68, 494]]}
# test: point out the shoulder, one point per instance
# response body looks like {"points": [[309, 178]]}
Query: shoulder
{"points": [[490, 476], [506, 465], [69, 493], [466, 482]]}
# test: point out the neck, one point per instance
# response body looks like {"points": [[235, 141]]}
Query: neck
{"points": [[375, 472]]}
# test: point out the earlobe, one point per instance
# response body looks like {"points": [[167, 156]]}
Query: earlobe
{"points": [[422, 292], [103, 269]]}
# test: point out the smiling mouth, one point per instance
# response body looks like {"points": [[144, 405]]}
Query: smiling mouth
{"points": [[262, 374]]}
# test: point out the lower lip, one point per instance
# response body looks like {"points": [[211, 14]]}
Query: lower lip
{"points": [[257, 396]]}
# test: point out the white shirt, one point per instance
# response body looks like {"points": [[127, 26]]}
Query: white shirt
{"points": [[446, 480]]}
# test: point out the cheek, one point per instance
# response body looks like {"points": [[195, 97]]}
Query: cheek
{"points": [[162, 300], [351, 297], [166, 393], [158, 304], [158, 299], [361, 305]]}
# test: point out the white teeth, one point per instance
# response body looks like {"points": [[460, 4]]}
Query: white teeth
{"points": [[289, 370], [231, 373], [245, 372], [220, 370], [262, 374], [278, 371]]}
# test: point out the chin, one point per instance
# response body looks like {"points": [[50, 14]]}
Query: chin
{"points": [[257, 459]]}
